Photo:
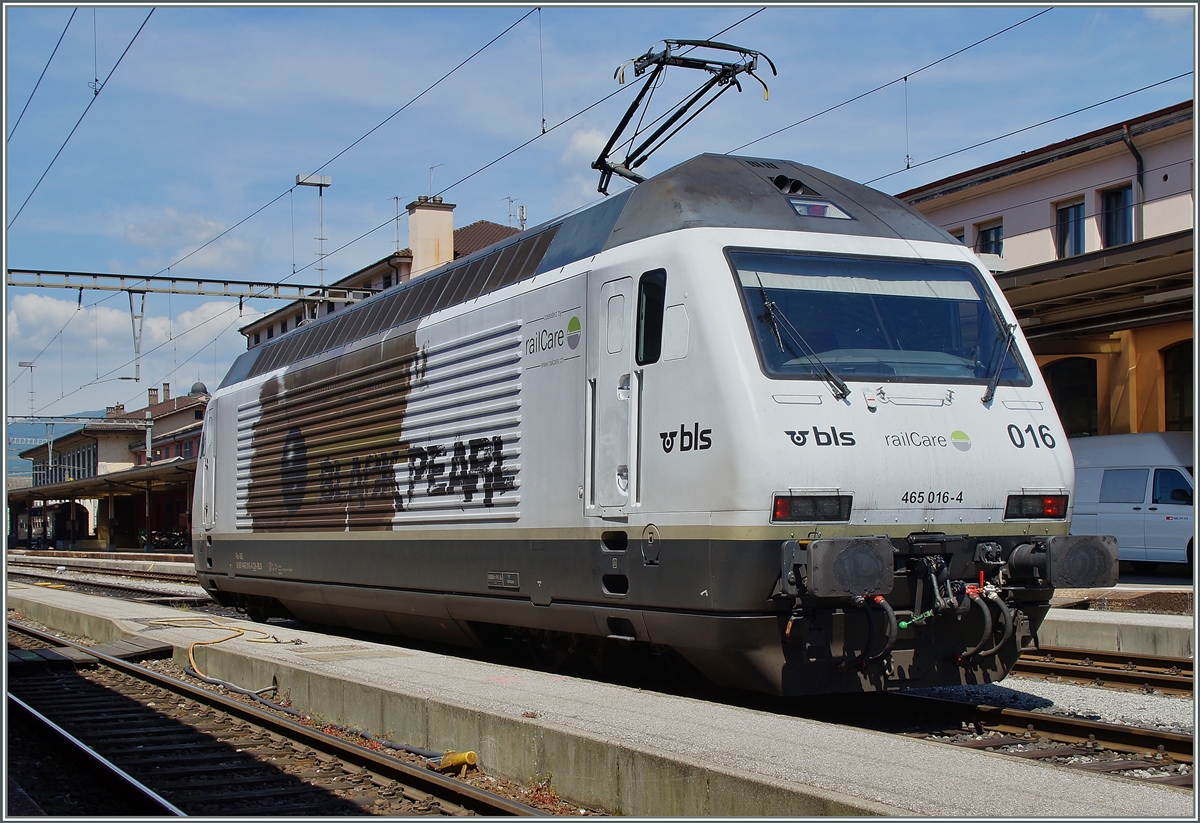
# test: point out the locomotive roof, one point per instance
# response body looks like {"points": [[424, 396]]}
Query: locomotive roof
{"points": [[711, 190]]}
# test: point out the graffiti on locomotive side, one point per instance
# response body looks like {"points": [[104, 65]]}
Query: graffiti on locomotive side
{"points": [[470, 467], [370, 477]]}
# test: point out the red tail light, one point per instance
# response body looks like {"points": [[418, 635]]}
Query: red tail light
{"points": [[1024, 506]]}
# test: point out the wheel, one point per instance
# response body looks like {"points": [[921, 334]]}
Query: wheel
{"points": [[1144, 567]]}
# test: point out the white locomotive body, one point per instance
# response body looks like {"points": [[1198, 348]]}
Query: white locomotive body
{"points": [[747, 410]]}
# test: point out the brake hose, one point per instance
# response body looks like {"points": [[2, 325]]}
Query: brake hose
{"points": [[881, 601], [1005, 614], [973, 594], [861, 659]]}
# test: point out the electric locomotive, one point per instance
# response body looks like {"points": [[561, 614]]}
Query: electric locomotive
{"points": [[748, 410]]}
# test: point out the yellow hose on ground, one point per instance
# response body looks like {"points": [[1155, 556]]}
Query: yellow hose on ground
{"points": [[209, 623]]}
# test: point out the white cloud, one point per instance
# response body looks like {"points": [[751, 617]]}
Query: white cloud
{"points": [[171, 228], [85, 354], [1173, 15], [583, 147]]}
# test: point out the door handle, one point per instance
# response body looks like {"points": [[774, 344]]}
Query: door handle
{"points": [[1154, 508], [1137, 508]]}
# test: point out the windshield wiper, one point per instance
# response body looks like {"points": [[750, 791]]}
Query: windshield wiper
{"points": [[1009, 336], [838, 386]]}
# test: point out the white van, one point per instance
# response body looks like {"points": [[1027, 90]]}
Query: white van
{"points": [[1137, 487]]}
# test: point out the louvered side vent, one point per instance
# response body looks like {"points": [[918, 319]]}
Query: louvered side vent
{"points": [[463, 432], [247, 415]]}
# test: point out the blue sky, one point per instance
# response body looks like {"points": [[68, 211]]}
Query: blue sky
{"points": [[214, 111]]}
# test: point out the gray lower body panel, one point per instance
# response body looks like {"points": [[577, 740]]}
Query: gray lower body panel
{"points": [[724, 623]]}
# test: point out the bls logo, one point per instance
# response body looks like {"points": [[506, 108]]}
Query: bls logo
{"points": [[697, 439], [822, 438]]}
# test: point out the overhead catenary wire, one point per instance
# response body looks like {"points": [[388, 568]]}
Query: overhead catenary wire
{"points": [[371, 131], [40, 76], [891, 82], [579, 113], [382, 225], [95, 97], [1028, 128], [988, 215]]}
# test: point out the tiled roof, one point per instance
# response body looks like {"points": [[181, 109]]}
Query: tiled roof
{"points": [[164, 408], [479, 235]]}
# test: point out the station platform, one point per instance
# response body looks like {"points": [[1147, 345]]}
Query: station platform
{"points": [[610, 747]]}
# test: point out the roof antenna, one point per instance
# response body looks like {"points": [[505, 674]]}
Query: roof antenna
{"points": [[724, 76]]}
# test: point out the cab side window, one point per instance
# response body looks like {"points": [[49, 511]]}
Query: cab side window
{"points": [[1124, 485], [652, 293], [1171, 487]]}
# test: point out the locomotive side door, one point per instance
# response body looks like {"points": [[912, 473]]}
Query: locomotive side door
{"points": [[208, 467], [610, 356]]}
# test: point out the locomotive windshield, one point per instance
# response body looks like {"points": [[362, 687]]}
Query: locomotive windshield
{"points": [[871, 318]]}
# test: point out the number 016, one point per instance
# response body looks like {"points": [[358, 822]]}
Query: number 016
{"points": [[1039, 438]]}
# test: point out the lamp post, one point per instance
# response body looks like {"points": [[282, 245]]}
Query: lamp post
{"points": [[320, 182]]}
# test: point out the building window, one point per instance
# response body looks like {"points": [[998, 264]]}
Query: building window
{"points": [[387, 281], [960, 235], [1070, 230], [299, 320], [283, 326], [990, 239], [270, 332], [1072, 385], [187, 448], [1118, 216], [329, 308], [256, 338], [1178, 382]]}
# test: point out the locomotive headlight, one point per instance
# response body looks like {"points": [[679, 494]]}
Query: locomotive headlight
{"points": [[823, 507], [1025, 506]]}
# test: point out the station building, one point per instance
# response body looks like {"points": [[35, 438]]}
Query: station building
{"points": [[1092, 241], [432, 241], [110, 483]]}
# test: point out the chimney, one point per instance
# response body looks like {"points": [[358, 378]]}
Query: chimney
{"points": [[114, 411], [430, 233], [166, 392], [153, 395]]}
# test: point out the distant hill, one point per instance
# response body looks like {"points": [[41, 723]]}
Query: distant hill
{"points": [[23, 432]]}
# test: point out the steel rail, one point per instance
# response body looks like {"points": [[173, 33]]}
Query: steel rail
{"points": [[1167, 674], [136, 574], [125, 591], [462, 794], [142, 798], [1071, 730]]}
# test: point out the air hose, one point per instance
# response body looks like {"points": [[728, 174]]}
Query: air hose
{"points": [[973, 594], [891, 626], [1006, 615], [861, 659]]}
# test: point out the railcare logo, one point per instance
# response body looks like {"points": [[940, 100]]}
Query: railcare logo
{"points": [[548, 340], [918, 440]]}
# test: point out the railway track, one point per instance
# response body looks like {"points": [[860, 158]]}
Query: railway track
{"points": [[125, 795], [1130, 751], [1169, 675], [206, 754], [110, 582], [187, 579]]}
